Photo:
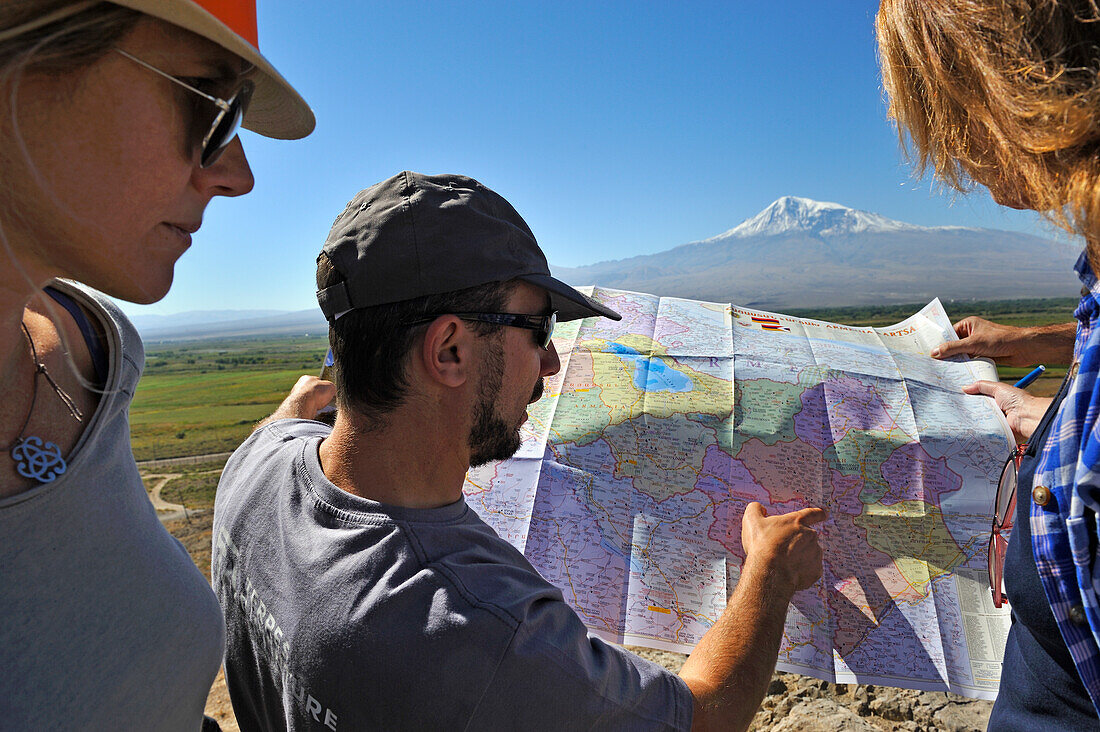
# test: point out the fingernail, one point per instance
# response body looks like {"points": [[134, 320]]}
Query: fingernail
{"points": [[935, 353]]}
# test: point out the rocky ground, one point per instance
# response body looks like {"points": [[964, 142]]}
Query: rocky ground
{"points": [[797, 703], [800, 704]]}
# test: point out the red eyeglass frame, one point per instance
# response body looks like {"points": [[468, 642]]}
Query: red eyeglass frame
{"points": [[1002, 523]]}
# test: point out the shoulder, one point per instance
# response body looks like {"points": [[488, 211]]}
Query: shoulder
{"points": [[111, 316], [488, 572], [119, 334], [270, 446], [272, 458], [290, 430]]}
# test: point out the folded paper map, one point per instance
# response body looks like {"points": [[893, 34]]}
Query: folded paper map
{"points": [[637, 465]]}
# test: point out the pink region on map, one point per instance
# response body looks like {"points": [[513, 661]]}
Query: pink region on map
{"points": [[726, 527], [729, 486], [854, 405], [581, 374], [776, 466], [568, 545], [811, 422], [914, 475], [741, 482]]}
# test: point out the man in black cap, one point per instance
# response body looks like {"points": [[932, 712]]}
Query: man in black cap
{"points": [[360, 591]]}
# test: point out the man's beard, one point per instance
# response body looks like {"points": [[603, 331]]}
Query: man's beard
{"points": [[490, 436]]}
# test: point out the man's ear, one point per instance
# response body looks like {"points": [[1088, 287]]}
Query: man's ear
{"points": [[445, 353]]}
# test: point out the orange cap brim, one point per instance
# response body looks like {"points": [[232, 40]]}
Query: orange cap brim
{"points": [[277, 110]]}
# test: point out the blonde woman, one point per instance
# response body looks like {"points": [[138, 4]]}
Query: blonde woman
{"points": [[117, 127], [1006, 94]]}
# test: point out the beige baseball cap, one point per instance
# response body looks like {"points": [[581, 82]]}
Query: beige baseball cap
{"points": [[276, 110]]}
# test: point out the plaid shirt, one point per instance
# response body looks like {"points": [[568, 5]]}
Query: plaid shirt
{"points": [[1069, 466]]}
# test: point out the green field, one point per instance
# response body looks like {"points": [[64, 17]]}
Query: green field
{"points": [[1040, 311], [205, 396], [202, 397]]}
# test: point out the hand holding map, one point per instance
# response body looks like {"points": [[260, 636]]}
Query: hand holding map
{"points": [[1022, 410]]}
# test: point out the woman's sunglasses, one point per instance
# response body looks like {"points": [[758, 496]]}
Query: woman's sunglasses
{"points": [[226, 122]]}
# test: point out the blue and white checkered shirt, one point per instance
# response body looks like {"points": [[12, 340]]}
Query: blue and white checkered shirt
{"points": [[1064, 531]]}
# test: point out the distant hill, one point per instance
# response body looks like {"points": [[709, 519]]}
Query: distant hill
{"points": [[196, 317], [800, 253], [191, 325]]}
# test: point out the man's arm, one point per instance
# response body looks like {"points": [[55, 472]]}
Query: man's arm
{"points": [[308, 395], [729, 670], [1010, 345]]}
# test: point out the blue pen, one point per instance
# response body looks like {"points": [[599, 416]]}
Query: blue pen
{"points": [[1035, 374]]}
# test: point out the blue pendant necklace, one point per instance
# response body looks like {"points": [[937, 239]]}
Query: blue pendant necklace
{"points": [[34, 457]]}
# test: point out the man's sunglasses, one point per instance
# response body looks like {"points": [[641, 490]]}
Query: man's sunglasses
{"points": [[228, 119], [543, 325], [1004, 515]]}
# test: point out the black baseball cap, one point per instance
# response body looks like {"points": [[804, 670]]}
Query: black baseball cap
{"points": [[415, 235]]}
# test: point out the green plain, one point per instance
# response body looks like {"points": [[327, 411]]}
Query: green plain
{"points": [[205, 396]]}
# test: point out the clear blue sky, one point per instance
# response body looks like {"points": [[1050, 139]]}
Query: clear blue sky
{"points": [[615, 128]]}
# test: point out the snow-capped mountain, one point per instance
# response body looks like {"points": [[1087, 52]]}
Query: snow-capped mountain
{"points": [[798, 252], [793, 214]]}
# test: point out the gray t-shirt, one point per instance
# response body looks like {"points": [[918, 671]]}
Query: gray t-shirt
{"points": [[107, 623], [349, 614]]}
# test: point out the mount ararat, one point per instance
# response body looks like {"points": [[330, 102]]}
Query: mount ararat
{"points": [[800, 253]]}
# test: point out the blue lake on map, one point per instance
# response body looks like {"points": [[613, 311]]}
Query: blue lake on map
{"points": [[651, 375]]}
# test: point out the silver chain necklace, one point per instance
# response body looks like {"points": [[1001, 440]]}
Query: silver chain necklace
{"points": [[34, 457]]}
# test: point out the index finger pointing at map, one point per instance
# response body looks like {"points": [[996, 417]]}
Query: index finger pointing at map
{"points": [[812, 515]]}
